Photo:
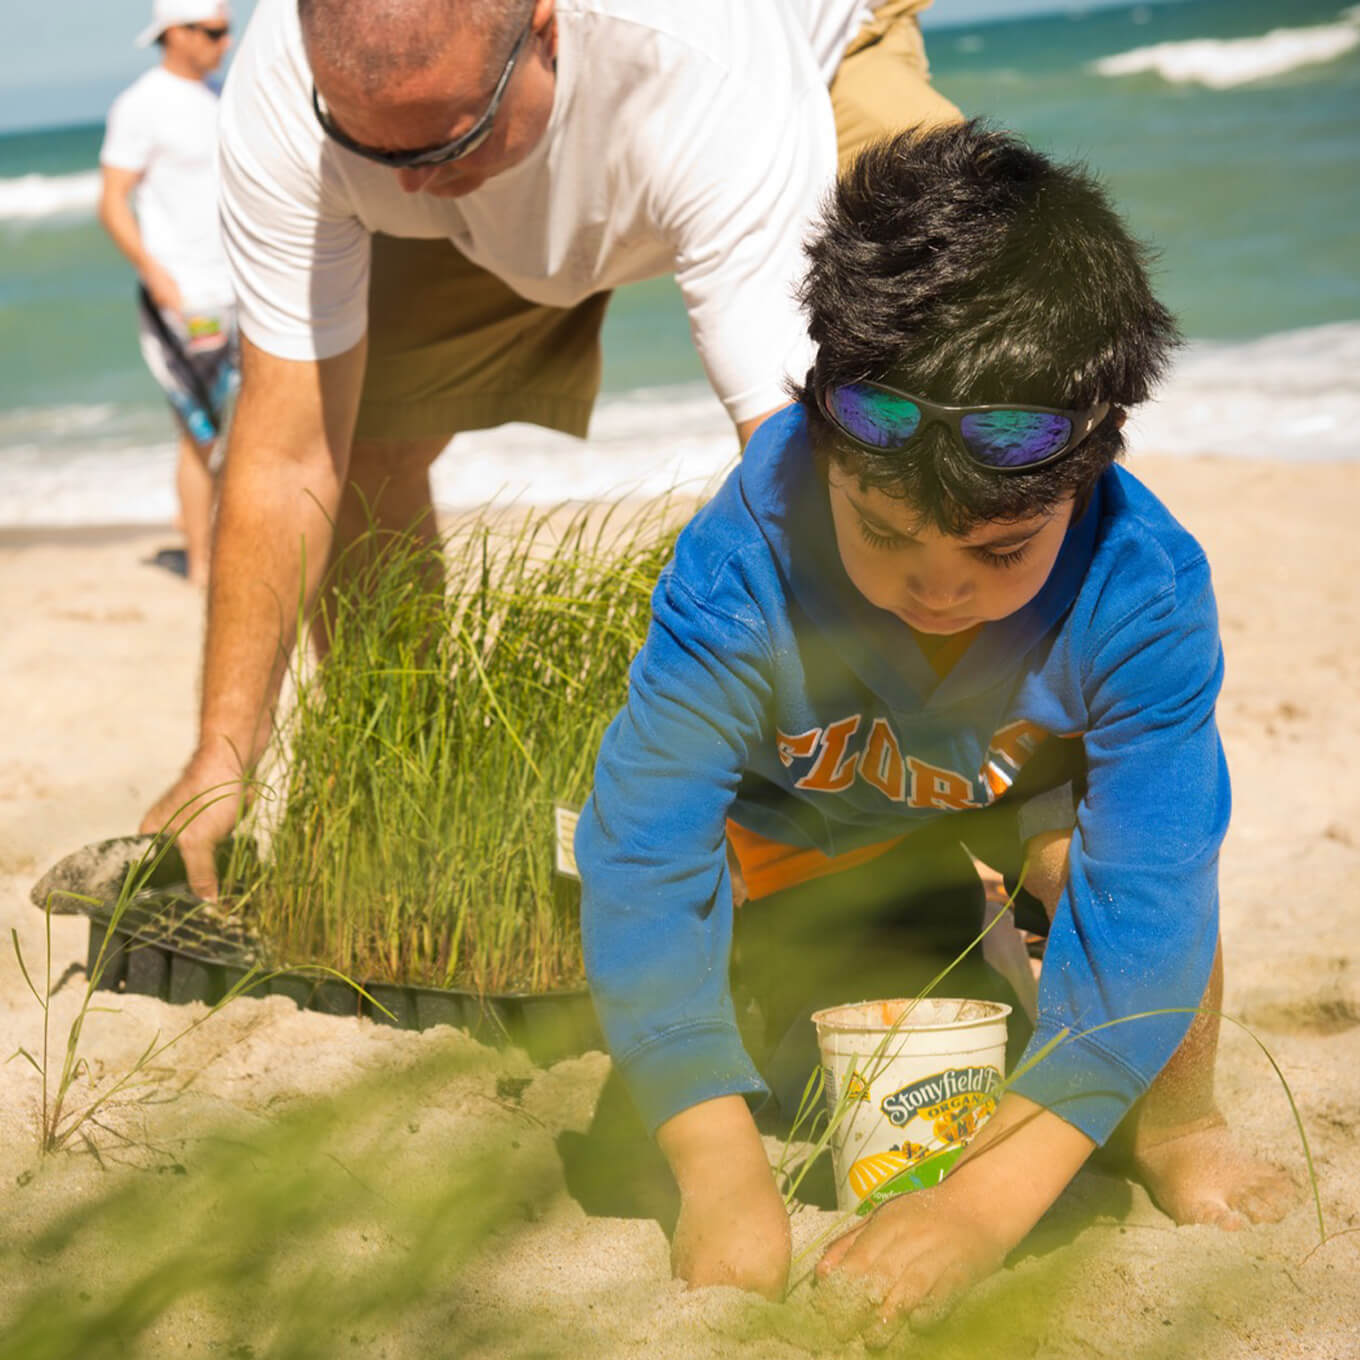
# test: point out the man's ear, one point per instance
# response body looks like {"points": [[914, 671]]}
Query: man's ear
{"points": [[545, 12]]}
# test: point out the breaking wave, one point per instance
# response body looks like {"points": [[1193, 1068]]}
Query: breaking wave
{"points": [[30, 198], [1221, 63], [1294, 395]]}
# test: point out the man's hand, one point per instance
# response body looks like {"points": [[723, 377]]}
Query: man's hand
{"points": [[201, 808], [733, 1227], [161, 286], [912, 1259]]}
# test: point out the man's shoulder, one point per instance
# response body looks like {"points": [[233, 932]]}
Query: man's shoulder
{"points": [[158, 94], [266, 129], [269, 77], [142, 93], [146, 112], [716, 36], [695, 21]]}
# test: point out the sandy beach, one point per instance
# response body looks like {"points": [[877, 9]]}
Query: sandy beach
{"points": [[285, 1183]]}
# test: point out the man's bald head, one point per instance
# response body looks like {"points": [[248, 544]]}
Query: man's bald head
{"points": [[370, 43]]}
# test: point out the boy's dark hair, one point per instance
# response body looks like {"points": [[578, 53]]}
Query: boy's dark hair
{"points": [[962, 266]]}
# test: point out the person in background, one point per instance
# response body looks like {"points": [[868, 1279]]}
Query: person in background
{"points": [[160, 153], [426, 204]]}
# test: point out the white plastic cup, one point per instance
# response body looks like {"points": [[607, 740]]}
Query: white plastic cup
{"points": [[918, 1079]]}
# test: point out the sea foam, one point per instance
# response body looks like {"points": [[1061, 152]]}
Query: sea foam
{"points": [[642, 443], [1221, 63], [1293, 396], [29, 198]]}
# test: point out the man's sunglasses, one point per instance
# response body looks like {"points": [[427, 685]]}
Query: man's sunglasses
{"points": [[1005, 438], [213, 32], [459, 147]]}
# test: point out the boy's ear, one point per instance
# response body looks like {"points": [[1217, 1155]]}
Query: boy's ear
{"points": [[1120, 416]]}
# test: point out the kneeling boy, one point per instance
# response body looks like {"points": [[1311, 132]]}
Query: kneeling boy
{"points": [[927, 581]]}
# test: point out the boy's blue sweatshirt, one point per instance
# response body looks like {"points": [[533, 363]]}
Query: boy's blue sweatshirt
{"points": [[769, 690]]}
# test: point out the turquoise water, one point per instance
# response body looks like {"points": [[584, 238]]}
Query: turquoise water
{"points": [[1250, 192], [1243, 179]]}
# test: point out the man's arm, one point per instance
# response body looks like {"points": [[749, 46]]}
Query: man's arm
{"points": [[118, 219], [746, 428], [738, 209], [287, 458]]}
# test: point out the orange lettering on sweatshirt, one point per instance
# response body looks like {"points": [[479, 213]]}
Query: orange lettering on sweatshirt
{"points": [[834, 771]]}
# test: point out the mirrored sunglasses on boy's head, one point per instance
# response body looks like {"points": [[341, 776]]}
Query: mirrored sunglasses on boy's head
{"points": [[1007, 437], [463, 145], [213, 32]]}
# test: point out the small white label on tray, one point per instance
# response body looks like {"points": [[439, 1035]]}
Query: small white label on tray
{"points": [[564, 839]]}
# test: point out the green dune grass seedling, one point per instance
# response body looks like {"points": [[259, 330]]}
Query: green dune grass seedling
{"points": [[464, 692], [65, 1114], [62, 1116]]}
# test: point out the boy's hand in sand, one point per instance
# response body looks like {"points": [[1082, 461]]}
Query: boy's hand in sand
{"points": [[733, 1227], [912, 1259], [201, 808]]}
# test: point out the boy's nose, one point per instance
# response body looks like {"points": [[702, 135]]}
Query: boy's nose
{"points": [[936, 592]]}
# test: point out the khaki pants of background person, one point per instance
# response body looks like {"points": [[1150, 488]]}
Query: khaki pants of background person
{"points": [[453, 348]]}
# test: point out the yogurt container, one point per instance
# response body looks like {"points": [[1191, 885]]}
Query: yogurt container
{"points": [[907, 1083]]}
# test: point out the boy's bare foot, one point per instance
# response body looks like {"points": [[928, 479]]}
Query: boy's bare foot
{"points": [[1197, 1173]]}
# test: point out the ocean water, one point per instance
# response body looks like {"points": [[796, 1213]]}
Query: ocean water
{"points": [[1227, 130]]}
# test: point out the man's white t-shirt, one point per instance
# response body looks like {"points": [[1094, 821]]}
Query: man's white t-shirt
{"points": [[829, 25], [164, 127], [687, 137]]}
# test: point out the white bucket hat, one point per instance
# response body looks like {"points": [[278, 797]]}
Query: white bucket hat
{"points": [[167, 13]]}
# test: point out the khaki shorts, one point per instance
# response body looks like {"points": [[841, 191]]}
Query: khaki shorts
{"points": [[452, 348]]}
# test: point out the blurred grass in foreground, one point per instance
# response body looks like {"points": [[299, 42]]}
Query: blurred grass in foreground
{"points": [[337, 1222]]}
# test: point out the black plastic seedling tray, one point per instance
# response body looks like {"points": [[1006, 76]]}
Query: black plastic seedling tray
{"points": [[174, 947], [547, 1025]]}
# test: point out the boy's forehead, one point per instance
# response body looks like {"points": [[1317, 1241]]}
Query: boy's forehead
{"points": [[902, 515], [899, 511]]}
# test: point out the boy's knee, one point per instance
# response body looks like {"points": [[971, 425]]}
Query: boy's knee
{"points": [[1046, 867]]}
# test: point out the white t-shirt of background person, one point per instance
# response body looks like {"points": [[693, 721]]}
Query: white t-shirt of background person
{"points": [[164, 127], [687, 137]]}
